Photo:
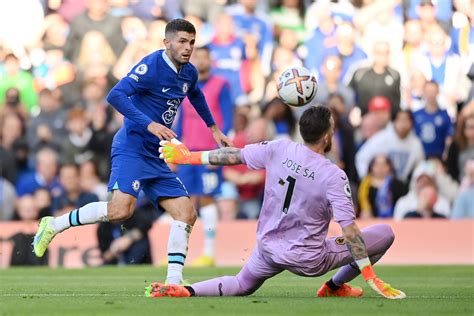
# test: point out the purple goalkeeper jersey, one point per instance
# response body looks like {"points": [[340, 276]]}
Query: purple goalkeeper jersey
{"points": [[303, 190]]}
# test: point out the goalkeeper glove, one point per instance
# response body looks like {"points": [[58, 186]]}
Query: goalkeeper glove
{"points": [[379, 286], [176, 152]]}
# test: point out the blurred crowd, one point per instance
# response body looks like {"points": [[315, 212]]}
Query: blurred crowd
{"points": [[398, 75]]}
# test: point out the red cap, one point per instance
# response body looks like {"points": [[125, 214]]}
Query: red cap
{"points": [[379, 103]]}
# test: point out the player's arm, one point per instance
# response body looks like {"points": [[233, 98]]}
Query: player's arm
{"points": [[177, 153], [119, 98]]}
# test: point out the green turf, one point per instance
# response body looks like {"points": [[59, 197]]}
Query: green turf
{"points": [[431, 290]]}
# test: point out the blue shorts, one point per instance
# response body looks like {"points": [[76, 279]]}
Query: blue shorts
{"points": [[201, 180], [132, 172]]}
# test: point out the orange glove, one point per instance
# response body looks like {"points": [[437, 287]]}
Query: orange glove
{"points": [[176, 152], [379, 286]]}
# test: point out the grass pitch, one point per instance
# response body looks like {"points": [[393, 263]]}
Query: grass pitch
{"points": [[431, 290]]}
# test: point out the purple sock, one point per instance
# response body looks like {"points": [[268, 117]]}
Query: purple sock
{"points": [[349, 272], [378, 239], [243, 283]]}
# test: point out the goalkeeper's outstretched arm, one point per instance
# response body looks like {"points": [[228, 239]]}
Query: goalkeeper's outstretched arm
{"points": [[176, 152]]}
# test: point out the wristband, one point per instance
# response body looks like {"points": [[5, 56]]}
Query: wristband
{"points": [[199, 158], [366, 269]]}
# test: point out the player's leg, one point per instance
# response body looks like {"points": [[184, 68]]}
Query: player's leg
{"points": [[118, 209], [203, 182], [377, 238], [209, 215], [247, 281], [124, 182], [184, 216]]}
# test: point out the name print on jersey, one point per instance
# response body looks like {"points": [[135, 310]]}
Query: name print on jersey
{"points": [[294, 166], [168, 115]]}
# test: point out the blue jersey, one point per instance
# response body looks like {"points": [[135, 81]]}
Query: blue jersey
{"points": [[153, 91], [227, 59], [433, 129]]}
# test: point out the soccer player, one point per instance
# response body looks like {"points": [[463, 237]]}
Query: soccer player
{"points": [[303, 191], [203, 182], [148, 97]]}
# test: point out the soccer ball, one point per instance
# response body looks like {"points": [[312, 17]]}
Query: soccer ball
{"points": [[297, 86]]}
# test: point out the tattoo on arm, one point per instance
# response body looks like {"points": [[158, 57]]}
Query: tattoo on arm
{"points": [[355, 242], [225, 156]]}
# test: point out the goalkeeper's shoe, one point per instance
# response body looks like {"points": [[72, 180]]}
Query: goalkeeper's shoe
{"points": [[166, 290], [43, 236], [344, 291], [385, 289], [203, 261]]}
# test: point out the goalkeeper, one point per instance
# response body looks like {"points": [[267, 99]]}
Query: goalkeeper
{"points": [[303, 191]]}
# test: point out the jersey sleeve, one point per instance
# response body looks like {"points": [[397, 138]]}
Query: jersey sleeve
{"points": [[340, 198], [256, 156], [141, 75]]}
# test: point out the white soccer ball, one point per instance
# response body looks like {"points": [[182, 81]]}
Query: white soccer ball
{"points": [[297, 86]]}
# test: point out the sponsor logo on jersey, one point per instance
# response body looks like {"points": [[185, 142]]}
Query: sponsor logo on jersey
{"points": [[164, 90], [141, 69], [347, 190], [134, 77], [168, 115]]}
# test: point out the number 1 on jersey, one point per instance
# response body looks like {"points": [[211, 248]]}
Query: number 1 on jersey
{"points": [[289, 193]]}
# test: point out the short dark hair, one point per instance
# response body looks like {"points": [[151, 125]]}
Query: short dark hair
{"points": [[178, 25], [314, 123], [406, 111]]}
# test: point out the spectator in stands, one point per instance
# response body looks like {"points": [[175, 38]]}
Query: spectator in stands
{"points": [[76, 145], [289, 14], [380, 189], [7, 200], [443, 67], [13, 105], [431, 13], [377, 79], [323, 37], [281, 116], [433, 125], [126, 242], [45, 175], [72, 196], [423, 176], [91, 182], [343, 151], [425, 207], [12, 129], [347, 49], [411, 51], [381, 107], [95, 18], [412, 92], [462, 148], [383, 21], [13, 76], [464, 203], [48, 125], [228, 54], [398, 142], [370, 125], [43, 201], [254, 26], [7, 165], [95, 50], [26, 209], [330, 84]]}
